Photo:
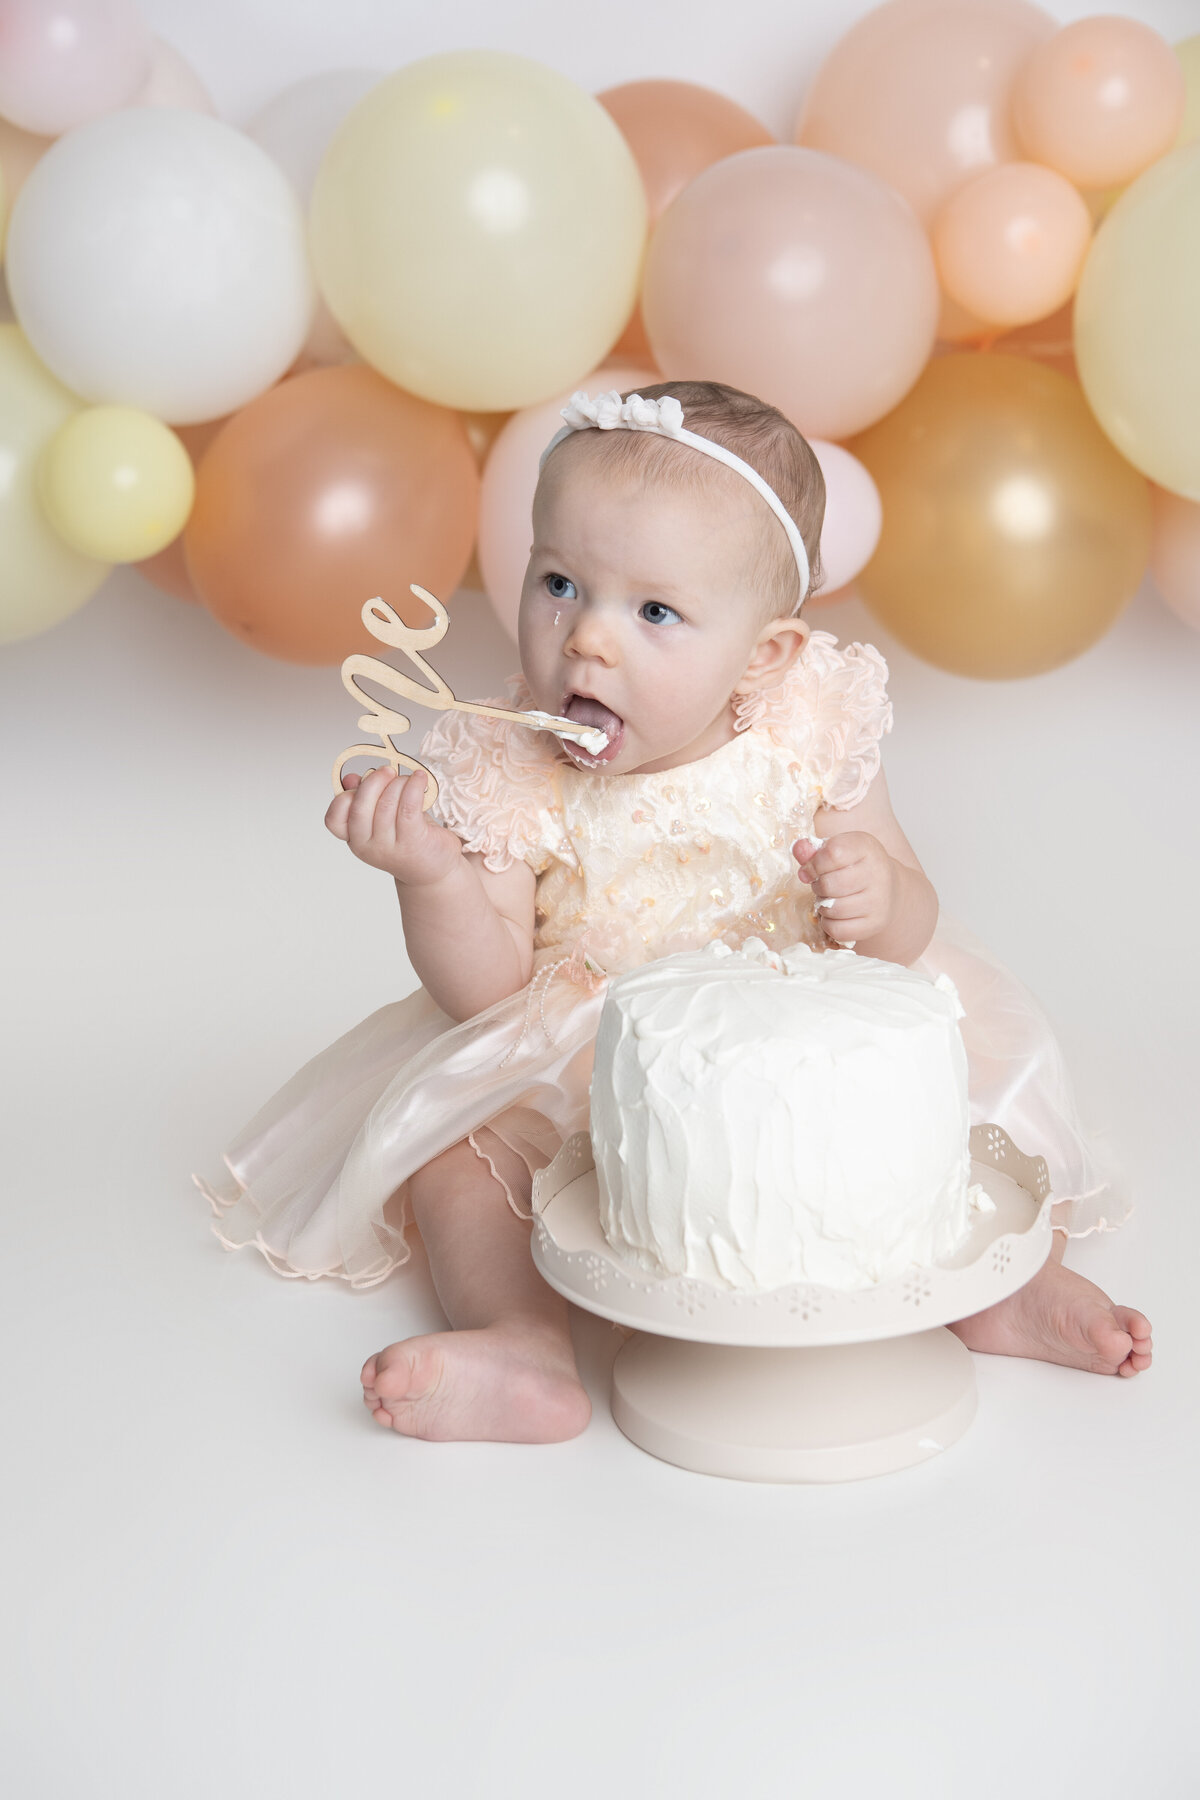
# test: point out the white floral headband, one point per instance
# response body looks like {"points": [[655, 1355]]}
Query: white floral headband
{"points": [[608, 411]]}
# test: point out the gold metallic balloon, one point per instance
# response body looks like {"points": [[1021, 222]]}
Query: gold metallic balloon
{"points": [[1013, 532]]}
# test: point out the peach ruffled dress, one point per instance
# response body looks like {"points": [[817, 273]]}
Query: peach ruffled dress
{"points": [[629, 868]]}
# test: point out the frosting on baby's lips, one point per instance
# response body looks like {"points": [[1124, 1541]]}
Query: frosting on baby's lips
{"points": [[590, 737]]}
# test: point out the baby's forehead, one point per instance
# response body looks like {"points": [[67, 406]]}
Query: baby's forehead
{"points": [[673, 481]]}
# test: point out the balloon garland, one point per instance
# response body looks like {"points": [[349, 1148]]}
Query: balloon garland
{"points": [[273, 367]]}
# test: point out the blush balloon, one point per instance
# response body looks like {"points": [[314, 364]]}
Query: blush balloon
{"points": [[675, 129], [172, 82], [853, 517], [510, 476], [797, 277], [918, 92], [330, 489]]}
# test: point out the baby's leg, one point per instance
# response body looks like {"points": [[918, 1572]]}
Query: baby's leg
{"points": [[507, 1369], [1060, 1316]]}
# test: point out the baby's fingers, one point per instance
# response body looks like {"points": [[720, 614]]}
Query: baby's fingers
{"points": [[364, 815]]}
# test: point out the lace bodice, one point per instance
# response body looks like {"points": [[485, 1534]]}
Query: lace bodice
{"points": [[639, 866]]}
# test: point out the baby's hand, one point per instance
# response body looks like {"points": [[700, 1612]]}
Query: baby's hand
{"points": [[855, 883], [379, 815]]}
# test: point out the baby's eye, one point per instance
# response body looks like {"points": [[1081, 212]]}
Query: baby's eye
{"points": [[555, 584], [657, 612]]}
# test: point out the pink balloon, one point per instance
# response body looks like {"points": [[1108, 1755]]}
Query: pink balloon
{"points": [[509, 477], [853, 516], [918, 91], [1175, 553], [63, 62], [796, 277], [1100, 100]]}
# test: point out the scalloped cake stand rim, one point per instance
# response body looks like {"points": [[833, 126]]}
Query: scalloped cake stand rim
{"points": [[1006, 1249]]}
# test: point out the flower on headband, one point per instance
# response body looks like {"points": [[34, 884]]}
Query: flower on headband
{"points": [[608, 411]]}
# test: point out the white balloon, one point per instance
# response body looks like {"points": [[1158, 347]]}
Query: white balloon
{"points": [[295, 128], [158, 258], [853, 515], [172, 82]]}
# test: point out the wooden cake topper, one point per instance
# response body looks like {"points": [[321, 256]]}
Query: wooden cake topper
{"points": [[387, 722]]}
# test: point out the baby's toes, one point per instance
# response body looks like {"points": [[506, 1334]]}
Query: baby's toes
{"points": [[1141, 1347]]}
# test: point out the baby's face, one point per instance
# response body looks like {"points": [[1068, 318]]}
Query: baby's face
{"points": [[635, 612]]}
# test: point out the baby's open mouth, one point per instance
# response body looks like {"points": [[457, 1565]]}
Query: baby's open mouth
{"points": [[586, 711]]}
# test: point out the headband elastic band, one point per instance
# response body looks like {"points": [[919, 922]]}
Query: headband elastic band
{"points": [[665, 417]]}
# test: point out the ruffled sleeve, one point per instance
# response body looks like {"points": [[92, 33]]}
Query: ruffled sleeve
{"points": [[830, 711], [497, 786]]}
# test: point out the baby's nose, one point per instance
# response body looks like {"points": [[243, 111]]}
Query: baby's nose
{"points": [[592, 637]]}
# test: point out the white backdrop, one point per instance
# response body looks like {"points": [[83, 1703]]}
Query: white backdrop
{"points": [[224, 1579]]}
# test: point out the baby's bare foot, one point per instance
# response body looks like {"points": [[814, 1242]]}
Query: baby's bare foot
{"points": [[514, 1383], [1061, 1317]]}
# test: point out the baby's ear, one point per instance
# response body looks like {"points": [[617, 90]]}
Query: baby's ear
{"points": [[777, 647]]}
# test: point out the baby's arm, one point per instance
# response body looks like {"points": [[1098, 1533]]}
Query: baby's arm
{"points": [[468, 930], [882, 901]]}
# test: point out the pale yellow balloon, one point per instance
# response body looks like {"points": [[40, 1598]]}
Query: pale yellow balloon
{"points": [[42, 580], [1188, 54], [1136, 313], [116, 483], [477, 229]]}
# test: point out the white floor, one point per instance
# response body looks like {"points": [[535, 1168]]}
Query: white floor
{"points": [[225, 1580]]}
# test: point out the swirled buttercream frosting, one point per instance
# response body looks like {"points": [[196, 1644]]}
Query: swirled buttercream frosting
{"points": [[759, 1119]]}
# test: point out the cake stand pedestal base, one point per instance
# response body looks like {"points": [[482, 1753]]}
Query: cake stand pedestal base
{"points": [[833, 1414], [798, 1383]]}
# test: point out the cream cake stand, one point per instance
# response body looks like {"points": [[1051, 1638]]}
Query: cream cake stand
{"points": [[799, 1383]]}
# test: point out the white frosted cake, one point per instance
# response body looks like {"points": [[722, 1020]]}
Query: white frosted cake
{"points": [[760, 1119]]}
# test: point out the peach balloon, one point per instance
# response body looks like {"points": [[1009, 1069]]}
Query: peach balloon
{"points": [[1013, 532], [1175, 553], [675, 129], [853, 516], [918, 92], [1099, 101], [329, 489], [796, 277], [172, 82], [1009, 245], [168, 570], [510, 476]]}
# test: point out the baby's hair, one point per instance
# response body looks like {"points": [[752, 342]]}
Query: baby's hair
{"points": [[762, 437]]}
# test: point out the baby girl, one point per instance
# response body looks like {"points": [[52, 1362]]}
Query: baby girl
{"points": [[739, 794]]}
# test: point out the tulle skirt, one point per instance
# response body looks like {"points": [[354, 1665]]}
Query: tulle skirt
{"points": [[318, 1179]]}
